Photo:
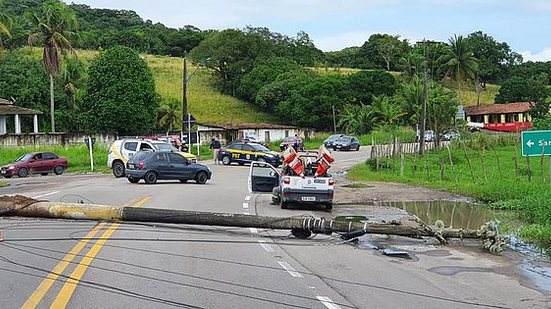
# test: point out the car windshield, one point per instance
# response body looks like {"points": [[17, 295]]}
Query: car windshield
{"points": [[333, 137], [24, 157], [289, 139], [344, 139], [257, 147], [165, 146]]}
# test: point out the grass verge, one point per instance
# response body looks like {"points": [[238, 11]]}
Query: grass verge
{"points": [[77, 155], [484, 168]]}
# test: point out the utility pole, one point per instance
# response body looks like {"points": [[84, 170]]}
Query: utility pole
{"points": [[184, 98], [300, 227], [334, 120], [423, 106]]}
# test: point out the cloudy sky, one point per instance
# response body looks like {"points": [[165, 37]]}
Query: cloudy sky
{"points": [[336, 24]]}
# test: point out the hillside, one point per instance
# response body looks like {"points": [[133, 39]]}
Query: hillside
{"points": [[206, 104]]}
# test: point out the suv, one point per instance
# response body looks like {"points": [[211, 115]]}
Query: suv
{"points": [[122, 150]]}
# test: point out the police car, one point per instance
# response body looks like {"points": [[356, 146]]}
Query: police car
{"points": [[246, 152]]}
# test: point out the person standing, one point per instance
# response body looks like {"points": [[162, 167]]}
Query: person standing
{"points": [[215, 146]]}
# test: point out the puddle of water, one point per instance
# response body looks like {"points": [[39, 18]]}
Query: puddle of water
{"points": [[539, 275], [452, 270], [453, 214]]}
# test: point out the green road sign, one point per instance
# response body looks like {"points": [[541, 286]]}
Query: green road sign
{"points": [[536, 143]]}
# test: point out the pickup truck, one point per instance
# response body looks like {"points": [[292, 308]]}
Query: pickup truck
{"points": [[288, 187]]}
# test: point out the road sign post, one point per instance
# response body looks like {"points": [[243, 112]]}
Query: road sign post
{"points": [[90, 141]]}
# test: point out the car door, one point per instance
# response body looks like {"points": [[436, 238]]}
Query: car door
{"points": [[248, 154], [179, 167], [36, 164], [236, 151], [49, 161], [263, 177], [160, 163]]}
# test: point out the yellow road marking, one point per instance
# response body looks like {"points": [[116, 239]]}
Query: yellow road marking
{"points": [[63, 297], [46, 284]]}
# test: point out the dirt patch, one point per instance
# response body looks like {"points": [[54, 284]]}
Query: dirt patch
{"points": [[350, 192]]}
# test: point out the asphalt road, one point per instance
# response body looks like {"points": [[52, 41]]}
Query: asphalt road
{"points": [[82, 264]]}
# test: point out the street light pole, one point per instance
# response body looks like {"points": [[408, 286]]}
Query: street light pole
{"points": [[184, 98], [423, 106]]}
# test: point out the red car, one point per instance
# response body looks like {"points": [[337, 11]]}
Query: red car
{"points": [[35, 163]]}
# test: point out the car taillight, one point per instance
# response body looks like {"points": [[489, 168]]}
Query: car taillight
{"points": [[141, 165], [331, 182], [286, 180]]}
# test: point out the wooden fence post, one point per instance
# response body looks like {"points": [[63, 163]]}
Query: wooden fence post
{"points": [[517, 173], [529, 171], [482, 164], [402, 165], [468, 161], [441, 169]]}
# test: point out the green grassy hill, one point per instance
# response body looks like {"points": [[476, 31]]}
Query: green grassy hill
{"points": [[206, 104]]}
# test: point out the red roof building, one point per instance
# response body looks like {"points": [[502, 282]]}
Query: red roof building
{"points": [[501, 117]]}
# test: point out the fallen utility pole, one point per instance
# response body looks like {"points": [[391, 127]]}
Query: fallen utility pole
{"points": [[301, 227]]}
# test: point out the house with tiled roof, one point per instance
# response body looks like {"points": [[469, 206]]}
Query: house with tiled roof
{"points": [[501, 117]]}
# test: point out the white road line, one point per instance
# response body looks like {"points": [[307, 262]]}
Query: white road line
{"points": [[45, 194], [266, 246], [245, 205], [246, 213], [327, 302], [253, 230], [290, 269], [247, 198]]}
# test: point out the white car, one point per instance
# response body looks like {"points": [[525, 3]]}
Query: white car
{"points": [[122, 150]]}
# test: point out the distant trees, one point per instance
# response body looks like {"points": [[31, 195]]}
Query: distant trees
{"points": [[5, 25], [366, 84], [170, 113], [121, 100]]}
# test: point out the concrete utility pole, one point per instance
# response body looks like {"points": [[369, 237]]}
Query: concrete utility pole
{"points": [[300, 227], [184, 103], [423, 106]]}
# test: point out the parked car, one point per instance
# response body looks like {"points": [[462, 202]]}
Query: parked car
{"points": [[35, 163], [244, 152], [154, 165], [122, 150], [290, 141], [347, 143], [329, 142], [450, 135], [429, 136]]}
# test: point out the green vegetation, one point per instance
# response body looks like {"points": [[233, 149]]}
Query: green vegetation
{"points": [[121, 101], [77, 155], [483, 167], [4, 183]]}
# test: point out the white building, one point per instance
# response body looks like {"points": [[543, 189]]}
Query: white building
{"points": [[260, 132]]}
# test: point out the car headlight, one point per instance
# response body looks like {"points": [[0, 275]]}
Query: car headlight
{"points": [[11, 167]]}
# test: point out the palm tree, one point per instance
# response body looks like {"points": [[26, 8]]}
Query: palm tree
{"points": [[170, 113], [410, 96], [385, 111], [356, 119], [458, 62], [54, 23], [5, 24]]}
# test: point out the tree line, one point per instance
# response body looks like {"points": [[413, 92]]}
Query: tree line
{"points": [[286, 76]]}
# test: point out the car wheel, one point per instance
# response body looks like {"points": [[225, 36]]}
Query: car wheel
{"points": [[44, 174], [201, 178], [241, 163], [183, 180], [150, 177], [328, 206], [334, 148], [284, 205], [118, 169], [226, 160], [58, 170], [133, 180], [358, 148], [261, 160], [23, 172]]}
